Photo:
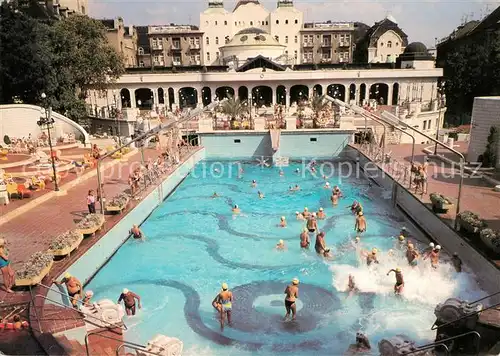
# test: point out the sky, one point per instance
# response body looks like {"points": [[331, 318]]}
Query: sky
{"points": [[422, 21]]}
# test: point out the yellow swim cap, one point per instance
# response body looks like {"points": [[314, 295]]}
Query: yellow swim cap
{"points": [[224, 286], [398, 269], [401, 238], [67, 275], [295, 281], [374, 251], [281, 242]]}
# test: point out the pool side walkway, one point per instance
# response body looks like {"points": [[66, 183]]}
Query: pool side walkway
{"points": [[33, 231]]}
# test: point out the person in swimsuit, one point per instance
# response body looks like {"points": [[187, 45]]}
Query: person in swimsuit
{"points": [[292, 293], [404, 232], [371, 257], [223, 303], [321, 214], [136, 232], [457, 262], [336, 190], [304, 239], [299, 216], [129, 298], [306, 213], [88, 296], [429, 249], [7, 271], [280, 245], [215, 195], [282, 222], [74, 287], [412, 255], [400, 283], [334, 198], [236, 209], [351, 285], [356, 207], [327, 185], [320, 245], [360, 225], [254, 183], [312, 224], [434, 256], [402, 242], [261, 195]]}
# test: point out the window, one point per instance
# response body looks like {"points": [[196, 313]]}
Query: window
{"points": [[141, 51], [251, 23], [286, 52], [397, 44], [296, 21], [225, 23], [208, 41], [141, 63], [197, 58], [235, 23], [267, 23], [177, 59], [217, 55], [154, 43], [326, 55], [226, 39], [237, 140], [429, 123], [176, 43], [341, 38], [425, 124], [277, 38], [216, 40], [277, 22], [215, 23], [193, 58], [191, 41], [286, 39], [83, 10], [286, 22], [389, 44], [197, 41], [381, 44], [295, 54], [208, 56], [313, 139], [296, 39]]}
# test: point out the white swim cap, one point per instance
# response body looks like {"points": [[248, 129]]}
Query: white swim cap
{"points": [[438, 247], [320, 209], [297, 213], [282, 218], [431, 244], [305, 209], [125, 291], [327, 184], [89, 293], [281, 242]]}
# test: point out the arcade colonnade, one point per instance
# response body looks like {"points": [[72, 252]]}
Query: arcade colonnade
{"points": [[154, 96]]}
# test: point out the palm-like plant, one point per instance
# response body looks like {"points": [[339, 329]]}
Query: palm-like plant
{"points": [[318, 105], [234, 107]]}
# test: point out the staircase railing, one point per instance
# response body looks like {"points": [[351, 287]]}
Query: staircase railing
{"points": [[434, 326], [487, 297], [129, 344], [442, 343]]}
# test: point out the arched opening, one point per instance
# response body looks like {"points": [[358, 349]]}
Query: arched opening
{"points": [[144, 98], [395, 94], [379, 92], [362, 94], [299, 93], [243, 93], [262, 96], [171, 97], [336, 91], [206, 96], [125, 97], [352, 92], [161, 96], [188, 97], [224, 92], [281, 95], [317, 90]]}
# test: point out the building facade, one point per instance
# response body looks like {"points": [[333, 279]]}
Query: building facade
{"points": [[326, 42], [123, 39], [219, 26], [382, 43]]}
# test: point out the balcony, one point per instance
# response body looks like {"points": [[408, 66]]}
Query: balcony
{"points": [[157, 46], [345, 44], [177, 63], [159, 64], [307, 44], [194, 46]]}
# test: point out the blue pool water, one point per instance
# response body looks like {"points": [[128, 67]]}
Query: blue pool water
{"points": [[194, 243]]}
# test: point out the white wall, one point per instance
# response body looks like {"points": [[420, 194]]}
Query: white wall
{"points": [[290, 29], [249, 15], [485, 114], [243, 53], [382, 50], [19, 120], [214, 23]]}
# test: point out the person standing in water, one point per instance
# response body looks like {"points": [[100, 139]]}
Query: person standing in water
{"points": [[412, 255], [400, 283], [292, 293], [304, 239], [282, 222], [457, 262], [321, 214], [129, 298], [360, 225], [74, 288], [371, 257], [334, 198], [136, 232], [351, 286], [434, 256], [223, 303], [312, 224], [320, 245]]}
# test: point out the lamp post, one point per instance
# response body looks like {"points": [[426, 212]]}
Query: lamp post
{"points": [[116, 119], [46, 121], [439, 94]]}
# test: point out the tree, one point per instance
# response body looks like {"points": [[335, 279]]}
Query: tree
{"points": [[234, 108], [318, 105], [490, 155]]}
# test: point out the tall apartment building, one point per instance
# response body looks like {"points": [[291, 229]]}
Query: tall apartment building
{"points": [[123, 39], [329, 42], [68, 7], [219, 26]]}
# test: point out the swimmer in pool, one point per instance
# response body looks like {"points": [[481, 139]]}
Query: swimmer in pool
{"points": [[355, 207], [297, 171], [337, 191], [306, 213], [390, 252], [223, 302], [371, 257], [254, 183], [412, 255], [299, 216], [282, 173], [261, 195], [351, 285], [283, 222], [236, 209], [312, 224], [304, 239], [320, 245], [129, 298], [457, 262], [292, 293], [400, 283], [429, 249], [321, 214], [215, 195], [295, 188], [280, 245], [357, 240], [402, 242], [74, 288], [136, 232], [434, 256], [216, 170], [327, 185], [360, 225], [404, 232]]}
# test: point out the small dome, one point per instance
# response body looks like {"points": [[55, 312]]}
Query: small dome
{"points": [[251, 31], [415, 47]]}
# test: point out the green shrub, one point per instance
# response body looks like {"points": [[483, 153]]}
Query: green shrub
{"points": [[490, 155], [6, 140]]}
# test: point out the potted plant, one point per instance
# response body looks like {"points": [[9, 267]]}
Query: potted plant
{"points": [[118, 203], [35, 269], [491, 239], [63, 244], [440, 204], [90, 224], [470, 222]]}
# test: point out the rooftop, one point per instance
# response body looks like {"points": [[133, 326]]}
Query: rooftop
{"points": [[172, 28], [329, 25]]}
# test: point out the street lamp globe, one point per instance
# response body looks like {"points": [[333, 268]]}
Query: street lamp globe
{"points": [[139, 102], [43, 95], [42, 111]]}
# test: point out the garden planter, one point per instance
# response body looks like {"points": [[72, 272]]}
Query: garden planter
{"points": [[90, 224], [491, 239], [470, 222], [35, 279], [440, 204], [75, 239], [35, 269], [118, 203]]}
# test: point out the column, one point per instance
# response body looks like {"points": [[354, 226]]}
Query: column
{"points": [[199, 97], [132, 98], [155, 102], [389, 93], [274, 93], [311, 91], [324, 89], [166, 100], [287, 97]]}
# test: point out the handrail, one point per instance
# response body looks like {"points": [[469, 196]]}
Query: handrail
{"points": [[427, 347], [134, 348], [34, 309], [98, 333], [488, 296], [63, 294], [441, 342], [124, 327], [434, 326]]}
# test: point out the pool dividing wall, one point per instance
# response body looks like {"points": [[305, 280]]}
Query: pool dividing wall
{"points": [[487, 273]]}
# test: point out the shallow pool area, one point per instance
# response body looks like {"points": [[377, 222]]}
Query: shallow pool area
{"points": [[194, 243]]}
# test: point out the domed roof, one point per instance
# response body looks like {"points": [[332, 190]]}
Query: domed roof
{"points": [[251, 31], [416, 47]]}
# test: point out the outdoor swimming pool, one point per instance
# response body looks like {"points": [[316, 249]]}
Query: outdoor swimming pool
{"points": [[194, 243]]}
